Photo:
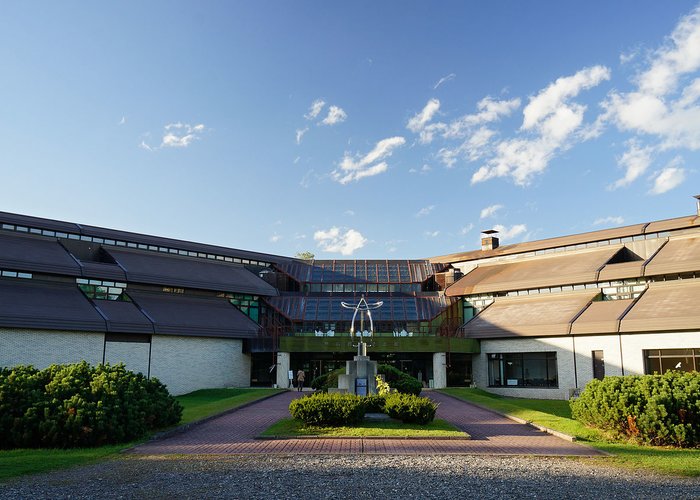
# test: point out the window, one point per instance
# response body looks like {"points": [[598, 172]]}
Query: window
{"points": [[528, 369], [102, 290], [664, 360]]}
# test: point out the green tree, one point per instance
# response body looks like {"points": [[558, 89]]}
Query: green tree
{"points": [[305, 255]]}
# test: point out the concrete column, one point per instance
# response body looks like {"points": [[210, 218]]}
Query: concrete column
{"points": [[283, 369], [439, 370]]}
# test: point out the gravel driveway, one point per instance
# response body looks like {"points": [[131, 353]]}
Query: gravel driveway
{"points": [[346, 476]]}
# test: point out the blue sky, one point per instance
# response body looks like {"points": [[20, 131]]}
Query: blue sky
{"points": [[354, 130]]}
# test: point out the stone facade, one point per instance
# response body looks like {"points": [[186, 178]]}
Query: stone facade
{"points": [[42, 348]]}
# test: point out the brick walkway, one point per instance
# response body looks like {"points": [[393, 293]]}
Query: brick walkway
{"points": [[491, 434]]}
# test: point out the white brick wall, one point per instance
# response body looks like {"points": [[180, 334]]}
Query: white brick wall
{"points": [[631, 360], [42, 348], [134, 355], [186, 364]]}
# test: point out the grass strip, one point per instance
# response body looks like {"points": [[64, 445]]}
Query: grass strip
{"points": [[197, 405], [556, 414], [290, 428]]}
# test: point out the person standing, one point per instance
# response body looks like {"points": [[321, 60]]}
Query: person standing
{"points": [[300, 379]]}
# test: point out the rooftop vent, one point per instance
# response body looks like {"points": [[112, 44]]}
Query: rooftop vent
{"points": [[697, 198], [488, 240]]}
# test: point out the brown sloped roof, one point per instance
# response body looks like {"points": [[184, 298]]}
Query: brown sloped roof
{"points": [[665, 306], [622, 270], [677, 256], [551, 270], [529, 316], [576, 239], [601, 317]]}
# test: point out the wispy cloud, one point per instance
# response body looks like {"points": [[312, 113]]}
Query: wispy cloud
{"points": [[423, 170], [614, 220], [509, 233], [444, 79], [275, 238], [490, 211], [419, 120], [177, 135], [349, 213], [465, 229], [300, 133], [669, 177], [335, 240], [354, 168], [425, 211], [335, 115], [432, 234], [122, 121], [315, 109], [635, 161], [549, 122]]}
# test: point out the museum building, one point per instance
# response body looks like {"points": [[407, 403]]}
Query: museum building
{"points": [[537, 319]]}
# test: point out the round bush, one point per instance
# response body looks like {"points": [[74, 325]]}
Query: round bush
{"points": [[399, 380], [651, 409], [328, 409], [80, 405], [410, 409]]}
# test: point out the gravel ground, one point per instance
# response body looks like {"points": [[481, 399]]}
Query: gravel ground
{"points": [[368, 476]]}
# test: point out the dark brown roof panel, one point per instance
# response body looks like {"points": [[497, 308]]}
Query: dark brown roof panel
{"points": [[123, 317], [35, 254], [44, 305]]}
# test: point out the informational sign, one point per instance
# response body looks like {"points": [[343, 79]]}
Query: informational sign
{"points": [[290, 375]]}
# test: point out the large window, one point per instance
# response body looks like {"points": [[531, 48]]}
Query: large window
{"points": [[525, 369], [663, 360]]}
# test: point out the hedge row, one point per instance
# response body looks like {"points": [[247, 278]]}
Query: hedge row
{"points": [[79, 405], [397, 379], [348, 409], [651, 409]]}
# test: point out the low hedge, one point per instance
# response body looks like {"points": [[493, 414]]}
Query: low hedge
{"points": [[328, 409], [410, 409], [80, 405], [652, 409], [402, 382]]}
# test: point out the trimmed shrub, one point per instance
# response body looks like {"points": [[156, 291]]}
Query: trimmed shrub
{"points": [[80, 405], [399, 380], [330, 379], [374, 403], [328, 409], [410, 409], [651, 409]]}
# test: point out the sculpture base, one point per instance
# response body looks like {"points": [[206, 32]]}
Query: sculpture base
{"points": [[360, 376]]}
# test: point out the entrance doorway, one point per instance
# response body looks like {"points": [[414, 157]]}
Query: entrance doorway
{"points": [[598, 364]]}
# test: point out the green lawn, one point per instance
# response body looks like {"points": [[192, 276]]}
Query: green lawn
{"points": [[290, 427], [556, 415], [197, 405]]}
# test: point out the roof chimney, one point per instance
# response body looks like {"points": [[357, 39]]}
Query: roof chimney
{"points": [[488, 241], [697, 197]]}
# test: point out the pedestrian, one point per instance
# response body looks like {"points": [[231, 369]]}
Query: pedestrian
{"points": [[300, 379]]}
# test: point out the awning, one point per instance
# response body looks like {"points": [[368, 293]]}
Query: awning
{"points": [[35, 254], [188, 272], [179, 314], [665, 306], [528, 316], [601, 317], [677, 256], [29, 303], [548, 271]]}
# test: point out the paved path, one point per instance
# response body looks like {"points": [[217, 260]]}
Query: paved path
{"points": [[235, 433]]}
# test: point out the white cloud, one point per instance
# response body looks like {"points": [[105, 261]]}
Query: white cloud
{"points": [[425, 211], [300, 133], [432, 234], [315, 109], [356, 168], [615, 220], [444, 79], [509, 233], [552, 119], [490, 211], [552, 99], [419, 120], [465, 229], [635, 161], [308, 178], [664, 103], [180, 135], [275, 238], [335, 115], [122, 121], [473, 148], [349, 213], [335, 241], [670, 177]]}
